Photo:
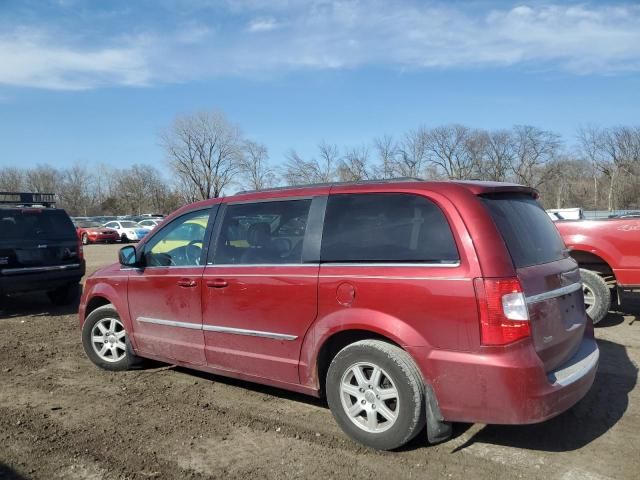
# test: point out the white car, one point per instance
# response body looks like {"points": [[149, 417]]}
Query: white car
{"points": [[150, 223], [129, 231]]}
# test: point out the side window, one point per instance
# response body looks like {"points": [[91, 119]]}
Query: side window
{"points": [[111, 225], [180, 243], [386, 228], [263, 232]]}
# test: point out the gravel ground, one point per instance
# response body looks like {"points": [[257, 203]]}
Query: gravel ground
{"points": [[61, 417]]}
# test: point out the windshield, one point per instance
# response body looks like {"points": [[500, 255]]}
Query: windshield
{"points": [[89, 225], [35, 224], [129, 225], [527, 230]]}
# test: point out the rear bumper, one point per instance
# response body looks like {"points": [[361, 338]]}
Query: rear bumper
{"points": [[508, 387], [40, 278]]}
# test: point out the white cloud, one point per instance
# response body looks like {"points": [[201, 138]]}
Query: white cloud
{"points": [[262, 25], [256, 37], [33, 59]]}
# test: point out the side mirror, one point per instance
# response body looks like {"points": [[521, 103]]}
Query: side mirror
{"points": [[127, 256]]}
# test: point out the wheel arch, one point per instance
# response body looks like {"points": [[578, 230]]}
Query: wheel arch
{"points": [[339, 329], [336, 342], [592, 261]]}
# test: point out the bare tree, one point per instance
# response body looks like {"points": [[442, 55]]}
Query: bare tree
{"points": [[387, 151], [298, 171], [535, 151], [411, 154], [75, 189], [43, 179], [254, 166], [499, 156], [447, 148], [11, 179], [354, 165], [204, 151]]}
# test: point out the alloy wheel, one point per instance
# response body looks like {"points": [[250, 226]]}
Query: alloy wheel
{"points": [[369, 397], [108, 339]]}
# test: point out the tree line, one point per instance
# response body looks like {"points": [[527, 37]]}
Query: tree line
{"points": [[208, 156]]}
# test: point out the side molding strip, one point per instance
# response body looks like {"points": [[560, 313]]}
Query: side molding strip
{"points": [[170, 323], [252, 333], [216, 328]]}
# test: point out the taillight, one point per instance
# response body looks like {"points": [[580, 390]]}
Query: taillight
{"points": [[80, 250], [504, 317]]}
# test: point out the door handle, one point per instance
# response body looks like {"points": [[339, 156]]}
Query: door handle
{"points": [[187, 282], [217, 283]]}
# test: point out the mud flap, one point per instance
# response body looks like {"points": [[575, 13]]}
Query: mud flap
{"points": [[437, 429]]}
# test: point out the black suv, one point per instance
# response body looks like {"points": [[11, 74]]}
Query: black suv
{"points": [[39, 247]]}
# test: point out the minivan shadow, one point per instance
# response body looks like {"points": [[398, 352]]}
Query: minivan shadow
{"points": [[255, 387], [593, 416], [8, 473], [611, 320], [33, 304]]}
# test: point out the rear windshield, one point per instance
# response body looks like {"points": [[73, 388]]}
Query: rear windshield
{"points": [[35, 224], [527, 230]]}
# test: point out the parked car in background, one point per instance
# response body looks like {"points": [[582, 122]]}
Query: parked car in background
{"points": [[150, 223], [39, 248], [608, 253], [94, 232], [128, 231], [103, 219], [565, 213], [404, 303]]}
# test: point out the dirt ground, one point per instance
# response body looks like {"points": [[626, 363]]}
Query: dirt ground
{"points": [[61, 417]]}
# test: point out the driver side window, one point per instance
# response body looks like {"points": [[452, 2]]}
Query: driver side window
{"points": [[180, 243]]}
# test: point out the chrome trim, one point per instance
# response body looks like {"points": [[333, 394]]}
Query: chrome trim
{"points": [[57, 268], [584, 361], [558, 292], [258, 265], [252, 333], [389, 264], [170, 323], [216, 328], [395, 277]]}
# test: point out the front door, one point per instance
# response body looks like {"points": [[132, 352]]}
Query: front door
{"points": [[259, 298], [165, 295]]}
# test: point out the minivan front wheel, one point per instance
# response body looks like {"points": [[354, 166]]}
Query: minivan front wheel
{"points": [[597, 296], [376, 394], [105, 342]]}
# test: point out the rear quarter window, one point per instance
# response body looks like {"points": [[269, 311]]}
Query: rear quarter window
{"points": [[386, 228], [35, 224], [528, 232]]}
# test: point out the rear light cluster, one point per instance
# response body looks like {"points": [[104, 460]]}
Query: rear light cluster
{"points": [[504, 317], [80, 250]]}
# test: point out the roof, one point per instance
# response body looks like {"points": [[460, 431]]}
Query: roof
{"points": [[475, 186]]}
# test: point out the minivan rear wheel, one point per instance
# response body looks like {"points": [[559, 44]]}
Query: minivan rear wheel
{"points": [[597, 296], [376, 394], [105, 341]]}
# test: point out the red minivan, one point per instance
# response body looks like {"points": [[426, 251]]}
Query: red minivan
{"points": [[404, 303]]}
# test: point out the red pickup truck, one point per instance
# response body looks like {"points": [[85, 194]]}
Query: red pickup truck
{"points": [[608, 253]]}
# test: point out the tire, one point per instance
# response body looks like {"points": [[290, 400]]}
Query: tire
{"points": [[64, 295], [124, 238], [105, 322], [597, 295], [374, 421], [85, 239]]}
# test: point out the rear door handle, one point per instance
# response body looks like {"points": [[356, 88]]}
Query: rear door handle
{"points": [[217, 283], [187, 282]]}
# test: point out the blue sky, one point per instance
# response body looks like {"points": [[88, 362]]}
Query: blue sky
{"points": [[96, 81]]}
